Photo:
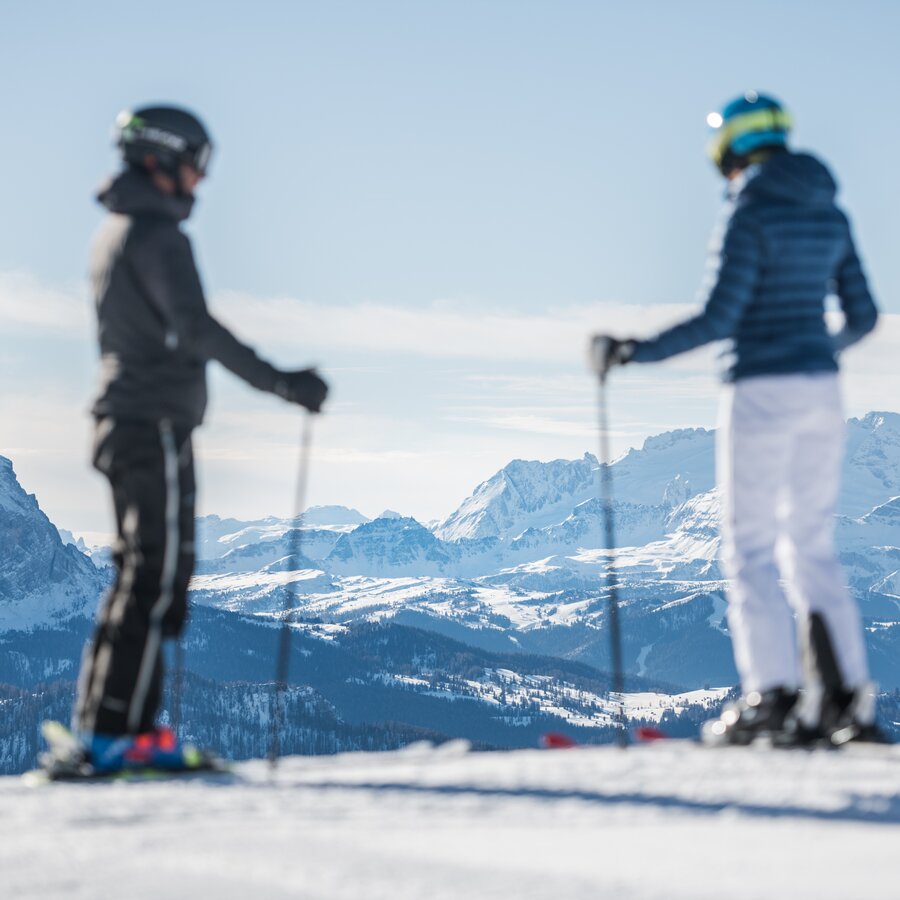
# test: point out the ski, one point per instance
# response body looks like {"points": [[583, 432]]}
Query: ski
{"points": [[649, 734], [65, 761], [42, 776], [556, 740]]}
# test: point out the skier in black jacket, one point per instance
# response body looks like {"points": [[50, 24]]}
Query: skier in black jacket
{"points": [[156, 336]]}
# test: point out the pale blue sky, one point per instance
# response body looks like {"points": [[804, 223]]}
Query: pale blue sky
{"points": [[425, 190]]}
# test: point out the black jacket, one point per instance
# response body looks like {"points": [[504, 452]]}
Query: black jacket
{"points": [[155, 331]]}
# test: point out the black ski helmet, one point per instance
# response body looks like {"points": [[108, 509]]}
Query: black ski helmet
{"points": [[172, 135]]}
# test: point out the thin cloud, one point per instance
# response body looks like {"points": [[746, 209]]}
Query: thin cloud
{"points": [[496, 384], [440, 329], [532, 424], [26, 302]]}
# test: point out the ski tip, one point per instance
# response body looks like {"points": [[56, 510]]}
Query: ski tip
{"points": [[35, 777], [556, 740], [53, 730], [648, 733]]}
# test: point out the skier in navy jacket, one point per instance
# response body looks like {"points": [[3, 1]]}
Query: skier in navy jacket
{"points": [[156, 336], [781, 247]]}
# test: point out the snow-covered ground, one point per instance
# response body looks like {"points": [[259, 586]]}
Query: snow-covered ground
{"points": [[668, 820]]}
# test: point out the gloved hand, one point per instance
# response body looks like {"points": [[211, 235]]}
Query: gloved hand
{"points": [[304, 387], [606, 352]]}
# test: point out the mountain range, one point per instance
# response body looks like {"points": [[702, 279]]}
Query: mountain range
{"points": [[513, 582], [521, 564]]}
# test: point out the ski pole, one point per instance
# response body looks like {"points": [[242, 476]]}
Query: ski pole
{"points": [[606, 500], [177, 686], [294, 555]]}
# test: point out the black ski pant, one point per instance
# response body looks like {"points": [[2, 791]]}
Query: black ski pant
{"points": [[150, 468]]}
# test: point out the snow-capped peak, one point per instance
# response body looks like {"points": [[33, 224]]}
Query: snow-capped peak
{"points": [[872, 469], [667, 470], [523, 494], [42, 579], [12, 497], [333, 515]]}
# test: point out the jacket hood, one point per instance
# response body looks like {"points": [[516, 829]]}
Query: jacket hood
{"points": [[132, 193], [789, 178]]}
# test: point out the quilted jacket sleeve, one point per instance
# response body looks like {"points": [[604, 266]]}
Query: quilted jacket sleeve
{"points": [[860, 312], [732, 273]]}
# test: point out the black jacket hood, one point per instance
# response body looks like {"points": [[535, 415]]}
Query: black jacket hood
{"points": [[131, 193], [789, 178], [156, 333]]}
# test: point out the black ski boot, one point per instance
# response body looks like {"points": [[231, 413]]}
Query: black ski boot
{"points": [[832, 718], [758, 714], [829, 713], [852, 719]]}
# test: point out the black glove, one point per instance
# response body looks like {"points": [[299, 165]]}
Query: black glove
{"points": [[304, 387], [606, 352]]}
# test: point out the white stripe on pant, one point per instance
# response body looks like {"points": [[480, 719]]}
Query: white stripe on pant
{"points": [[778, 459], [166, 581]]}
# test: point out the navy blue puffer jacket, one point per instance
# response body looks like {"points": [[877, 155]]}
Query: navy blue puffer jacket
{"points": [[782, 246]]}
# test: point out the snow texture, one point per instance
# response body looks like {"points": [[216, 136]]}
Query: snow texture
{"points": [[656, 822]]}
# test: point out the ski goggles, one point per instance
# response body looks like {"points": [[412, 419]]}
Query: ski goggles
{"points": [[199, 159]]}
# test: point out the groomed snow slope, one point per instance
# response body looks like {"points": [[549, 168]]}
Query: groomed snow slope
{"points": [[660, 821]]}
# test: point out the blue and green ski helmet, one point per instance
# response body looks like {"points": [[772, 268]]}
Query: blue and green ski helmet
{"points": [[744, 127]]}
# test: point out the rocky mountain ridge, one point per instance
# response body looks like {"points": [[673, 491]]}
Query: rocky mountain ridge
{"points": [[522, 563], [43, 580]]}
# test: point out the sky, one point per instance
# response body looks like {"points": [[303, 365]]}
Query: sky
{"points": [[435, 202]]}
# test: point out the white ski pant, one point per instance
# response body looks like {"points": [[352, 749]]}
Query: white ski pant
{"points": [[779, 449]]}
